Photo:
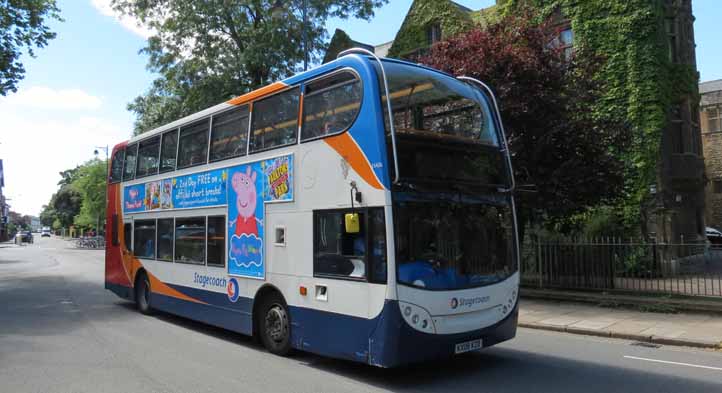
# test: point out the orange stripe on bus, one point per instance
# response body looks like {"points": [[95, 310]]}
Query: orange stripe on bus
{"points": [[349, 150], [272, 88], [162, 288]]}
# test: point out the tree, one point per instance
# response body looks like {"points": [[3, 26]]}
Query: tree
{"points": [[22, 28], [210, 51], [570, 155], [90, 183], [66, 203]]}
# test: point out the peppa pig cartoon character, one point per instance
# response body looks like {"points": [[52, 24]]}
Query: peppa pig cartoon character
{"points": [[244, 184]]}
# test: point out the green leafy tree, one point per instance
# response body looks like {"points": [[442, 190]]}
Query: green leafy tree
{"points": [[210, 51], [22, 28], [66, 204], [90, 183]]}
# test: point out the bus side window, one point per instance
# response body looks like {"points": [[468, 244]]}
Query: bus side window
{"points": [[274, 121], [128, 236], [114, 229], [330, 105], [193, 144], [337, 253]]}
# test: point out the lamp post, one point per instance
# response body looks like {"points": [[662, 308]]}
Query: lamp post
{"points": [[277, 12], [105, 189]]}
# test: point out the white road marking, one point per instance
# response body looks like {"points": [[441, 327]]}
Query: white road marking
{"points": [[675, 363]]}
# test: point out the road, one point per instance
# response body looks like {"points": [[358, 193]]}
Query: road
{"points": [[60, 331]]}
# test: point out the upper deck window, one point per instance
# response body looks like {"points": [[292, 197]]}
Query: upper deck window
{"points": [[131, 154], [229, 135], [275, 121], [148, 157], [168, 151], [193, 144], [330, 105], [434, 105], [116, 166]]}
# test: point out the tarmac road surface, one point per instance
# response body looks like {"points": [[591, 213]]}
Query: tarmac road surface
{"points": [[60, 331]]}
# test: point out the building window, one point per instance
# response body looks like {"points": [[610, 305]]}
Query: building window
{"points": [[433, 33], [566, 42], [670, 26], [713, 119], [717, 186]]}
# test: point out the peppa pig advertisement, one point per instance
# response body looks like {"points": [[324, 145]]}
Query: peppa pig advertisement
{"points": [[133, 198], [249, 188]]}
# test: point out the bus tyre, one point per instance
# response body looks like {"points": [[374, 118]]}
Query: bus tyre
{"points": [[275, 325], [142, 294]]}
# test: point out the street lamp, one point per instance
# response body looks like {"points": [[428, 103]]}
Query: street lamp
{"points": [[105, 189], [278, 11]]}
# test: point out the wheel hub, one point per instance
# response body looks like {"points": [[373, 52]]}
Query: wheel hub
{"points": [[276, 323]]}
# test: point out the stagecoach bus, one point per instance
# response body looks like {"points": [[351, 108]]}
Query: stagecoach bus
{"points": [[361, 210]]}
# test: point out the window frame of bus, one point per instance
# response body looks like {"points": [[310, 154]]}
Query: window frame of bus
{"points": [[368, 273], [205, 240], [137, 157], [252, 117], [125, 156], [175, 157], [357, 78], [192, 125], [229, 111], [172, 240], [119, 154]]}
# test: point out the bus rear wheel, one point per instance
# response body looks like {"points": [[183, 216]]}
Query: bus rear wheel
{"points": [[142, 294], [275, 325]]}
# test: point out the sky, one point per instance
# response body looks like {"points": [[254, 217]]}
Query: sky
{"points": [[74, 95]]}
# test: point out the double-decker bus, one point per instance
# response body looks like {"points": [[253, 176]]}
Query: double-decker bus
{"points": [[361, 210]]}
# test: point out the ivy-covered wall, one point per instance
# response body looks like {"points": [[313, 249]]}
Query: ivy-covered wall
{"points": [[641, 82], [423, 13]]}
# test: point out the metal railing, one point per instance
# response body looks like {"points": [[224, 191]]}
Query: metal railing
{"points": [[611, 264]]}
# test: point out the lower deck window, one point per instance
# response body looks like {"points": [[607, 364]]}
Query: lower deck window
{"points": [[165, 240], [216, 241], [190, 240], [144, 239]]}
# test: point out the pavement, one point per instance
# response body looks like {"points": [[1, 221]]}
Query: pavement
{"points": [[61, 331], [682, 329]]}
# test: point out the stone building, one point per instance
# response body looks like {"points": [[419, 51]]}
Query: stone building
{"points": [[711, 122], [652, 78]]}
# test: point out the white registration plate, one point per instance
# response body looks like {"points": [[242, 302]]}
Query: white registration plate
{"points": [[468, 346]]}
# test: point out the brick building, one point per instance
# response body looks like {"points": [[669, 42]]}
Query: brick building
{"points": [[673, 204], [711, 122]]}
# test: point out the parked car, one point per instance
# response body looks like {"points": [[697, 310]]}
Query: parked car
{"points": [[714, 236]]}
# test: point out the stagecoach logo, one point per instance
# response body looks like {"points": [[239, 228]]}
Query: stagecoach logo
{"points": [[233, 291], [467, 302]]}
